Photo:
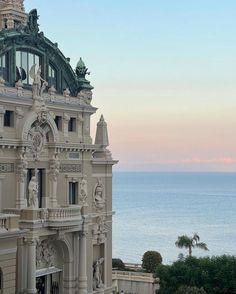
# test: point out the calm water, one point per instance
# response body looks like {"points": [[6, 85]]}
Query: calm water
{"points": [[153, 209]]}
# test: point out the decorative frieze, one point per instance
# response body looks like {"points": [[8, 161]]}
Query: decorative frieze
{"points": [[70, 168], [7, 168]]}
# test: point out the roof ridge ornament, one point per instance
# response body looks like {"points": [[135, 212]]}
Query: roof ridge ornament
{"points": [[81, 72], [32, 25]]}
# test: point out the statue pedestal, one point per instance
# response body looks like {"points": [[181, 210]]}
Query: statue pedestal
{"points": [[29, 214], [84, 209], [98, 291]]}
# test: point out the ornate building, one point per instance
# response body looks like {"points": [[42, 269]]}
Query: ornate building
{"points": [[55, 184]]}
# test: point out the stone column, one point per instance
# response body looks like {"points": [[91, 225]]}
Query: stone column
{"points": [[21, 201], [2, 112], [83, 287], [80, 125], [53, 175], [65, 124], [31, 270], [2, 177], [21, 261]]}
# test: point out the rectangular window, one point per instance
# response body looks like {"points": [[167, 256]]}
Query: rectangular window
{"points": [[58, 122], [72, 124], [24, 62], [73, 190], [52, 81], [9, 118]]}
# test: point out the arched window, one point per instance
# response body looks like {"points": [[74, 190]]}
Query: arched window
{"points": [[52, 78], [4, 67], [24, 61]]}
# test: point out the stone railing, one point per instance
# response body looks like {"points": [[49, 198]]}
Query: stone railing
{"points": [[3, 223], [67, 212], [8, 222], [134, 276], [48, 215]]}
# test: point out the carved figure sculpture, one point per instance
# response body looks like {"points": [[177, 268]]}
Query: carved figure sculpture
{"points": [[37, 87], [83, 189], [99, 195], [97, 274], [33, 193]]}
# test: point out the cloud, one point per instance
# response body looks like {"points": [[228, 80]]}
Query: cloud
{"points": [[223, 160]]}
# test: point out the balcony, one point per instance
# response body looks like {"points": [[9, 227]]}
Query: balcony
{"points": [[8, 223], [59, 217]]}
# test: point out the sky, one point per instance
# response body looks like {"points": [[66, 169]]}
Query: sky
{"points": [[164, 76]]}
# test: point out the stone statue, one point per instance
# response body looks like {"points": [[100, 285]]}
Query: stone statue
{"points": [[33, 193], [99, 195], [66, 92], [37, 87], [97, 274], [83, 189], [32, 22]]}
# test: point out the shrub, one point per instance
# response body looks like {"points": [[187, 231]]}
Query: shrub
{"points": [[150, 261], [215, 275], [118, 264], [190, 290]]}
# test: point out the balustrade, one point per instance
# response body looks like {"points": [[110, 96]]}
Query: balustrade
{"points": [[47, 214]]}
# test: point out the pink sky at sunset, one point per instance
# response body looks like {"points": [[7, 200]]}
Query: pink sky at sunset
{"points": [[164, 77]]}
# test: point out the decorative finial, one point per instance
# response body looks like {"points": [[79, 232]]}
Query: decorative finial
{"points": [[81, 69], [81, 72], [101, 134]]}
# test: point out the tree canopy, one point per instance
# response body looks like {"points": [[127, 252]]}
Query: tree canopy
{"points": [[150, 261], [216, 275], [189, 243]]}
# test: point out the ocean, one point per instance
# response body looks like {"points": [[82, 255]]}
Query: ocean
{"points": [[153, 209]]}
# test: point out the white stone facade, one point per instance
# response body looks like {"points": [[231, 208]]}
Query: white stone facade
{"points": [[59, 184]]}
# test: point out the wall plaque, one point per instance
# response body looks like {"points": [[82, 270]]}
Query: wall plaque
{"points": [[6, 168], [70, 168]]}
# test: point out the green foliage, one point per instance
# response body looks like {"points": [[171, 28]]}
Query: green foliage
{"points": [[189, 243], [216, 275], [190, 290], [118, 264], [150, 261]]}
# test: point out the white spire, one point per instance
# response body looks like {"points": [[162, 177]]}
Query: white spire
{"points": [[101, 134]]}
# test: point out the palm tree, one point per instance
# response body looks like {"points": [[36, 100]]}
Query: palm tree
{"points": [[190, 243]]}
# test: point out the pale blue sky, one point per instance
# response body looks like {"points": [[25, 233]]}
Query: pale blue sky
{"points": [[164, 74]]}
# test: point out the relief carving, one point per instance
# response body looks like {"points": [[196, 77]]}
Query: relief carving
{"points": [[45, 255], [83, 185], [99, 195], [99, 230]]}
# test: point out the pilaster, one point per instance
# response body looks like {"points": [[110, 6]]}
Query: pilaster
{"points": [[83, 284], [31, 270]]}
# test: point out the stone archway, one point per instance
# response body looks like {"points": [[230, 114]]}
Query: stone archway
{"points": [[54, 264]]}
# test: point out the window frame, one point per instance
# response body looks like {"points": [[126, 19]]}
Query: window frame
{"points": [[11, 119], [72, 124]]}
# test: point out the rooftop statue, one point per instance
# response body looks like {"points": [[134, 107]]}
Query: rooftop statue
{"points": [[39, 84], [32, 22]]}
